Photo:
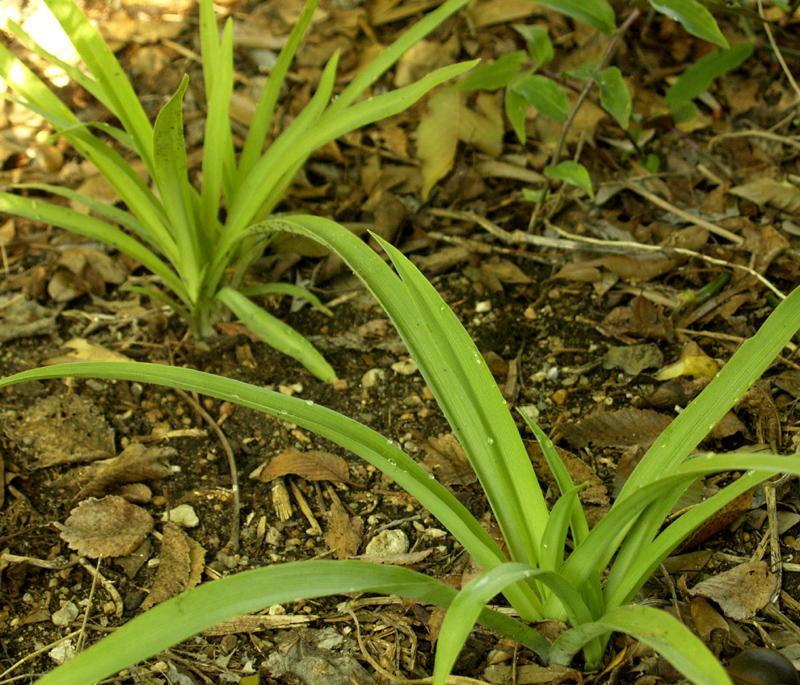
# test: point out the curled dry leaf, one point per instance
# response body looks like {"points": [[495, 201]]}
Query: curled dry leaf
{"points": [[108, 527], [693, 362], [311, 465], [343, 535], [740, 592], [134, 464], [180, 567]]}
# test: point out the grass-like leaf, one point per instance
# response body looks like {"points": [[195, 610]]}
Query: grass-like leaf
{"points": [[185, 615]]}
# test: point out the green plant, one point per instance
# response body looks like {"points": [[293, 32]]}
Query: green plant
{"points": [[175, 230], [523, 76], [542, 579]]}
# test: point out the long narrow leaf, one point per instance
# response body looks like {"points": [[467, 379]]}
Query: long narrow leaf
{"points": [[294, 291], [599, 547], [276, 333], [110, 211], [80, 77], [257, 135], [353, 436], [219, 157], [38, 98], [375, 69], [703, 413], [471, 400], [468, 604], [469, 396], [328, 128], [624, 586], [171, 177], [94, 228], [657, 629], [99, 59], [235, 595], [580, 527], [253, 189]]}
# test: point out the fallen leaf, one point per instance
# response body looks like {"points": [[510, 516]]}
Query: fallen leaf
{"points": [[180, 566], [344, 532], [311, 465], [58, 428], [135, 463], [85, 351], [633, 359], [740, 592], [783, 196], [693, 362], [108, 527], [624, 428]]}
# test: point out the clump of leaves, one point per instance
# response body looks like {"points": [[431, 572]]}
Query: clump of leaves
{"points": [[520, 73], [172, 228], [559, 569]]}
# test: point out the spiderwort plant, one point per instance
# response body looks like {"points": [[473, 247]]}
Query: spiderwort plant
{"points": [[173, 229], [542, 579]]}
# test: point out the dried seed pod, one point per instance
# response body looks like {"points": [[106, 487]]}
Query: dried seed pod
{"points": [[762, 667]]}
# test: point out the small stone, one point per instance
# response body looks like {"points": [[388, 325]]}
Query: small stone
{"points": [[559, 396], [388, 543], [372, 377], [183, 515], [483, 307], [65, 615], [407, 367], [62, 652]]}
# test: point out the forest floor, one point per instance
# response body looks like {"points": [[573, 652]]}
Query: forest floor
{"points": [[574, 315]]}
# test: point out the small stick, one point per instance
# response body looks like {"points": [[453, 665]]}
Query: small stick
{"points": [[233, 542]]}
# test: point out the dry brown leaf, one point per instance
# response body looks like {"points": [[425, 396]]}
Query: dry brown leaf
{"points": [[708, 621], [180, 567], [344, 532], [448, 461], [642, 319], [624, 428], [721, 519], [446, 121], [740, 592], [108, 527], [135, 463], [766, 191], [505, 271], [84, 351], [311, 465], [437, 137], [633, 359], [57, 428]]}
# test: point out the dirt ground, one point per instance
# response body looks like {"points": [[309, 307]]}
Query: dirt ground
{"points": [[574, 331]]}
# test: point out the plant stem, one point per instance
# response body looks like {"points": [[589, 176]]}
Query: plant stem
{"points": [[609, 53]]}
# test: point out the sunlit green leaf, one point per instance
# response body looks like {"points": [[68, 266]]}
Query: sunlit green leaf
{"points": [[614, 95], [596, 13], [497, 74], [546, 95], [573, 173], [698, 77], [540, 47], [695, 18]]}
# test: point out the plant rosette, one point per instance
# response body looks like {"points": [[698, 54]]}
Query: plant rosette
{"points": [[589, 583], [172, 228]]}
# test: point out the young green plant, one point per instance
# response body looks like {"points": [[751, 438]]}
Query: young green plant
{"points": [[542, 579], [523, 76], [173, 229]]}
